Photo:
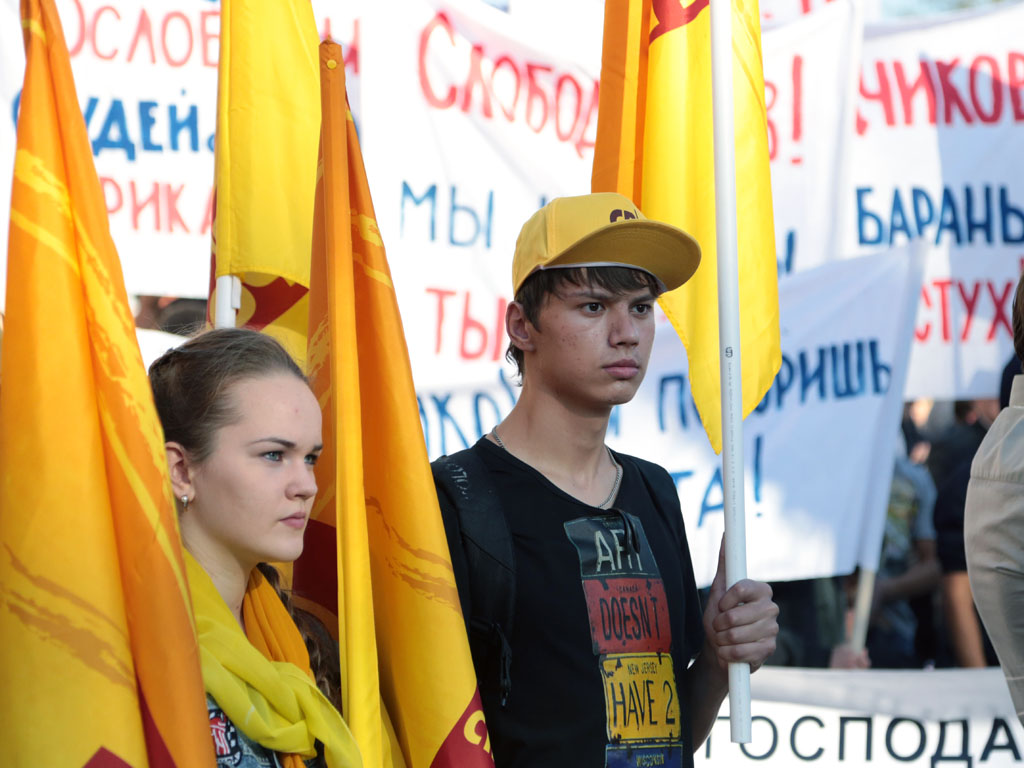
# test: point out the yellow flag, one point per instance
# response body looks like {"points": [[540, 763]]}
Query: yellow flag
{"points": [[99, 660], [268, 122], [654, 145], [376, 522]]}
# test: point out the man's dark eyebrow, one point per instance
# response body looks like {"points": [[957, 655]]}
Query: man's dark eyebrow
{"points": [[285, 443], [602, 294]]}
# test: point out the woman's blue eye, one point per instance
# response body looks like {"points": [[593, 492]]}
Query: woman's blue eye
{"points": [[272, 455], [311, 459]]}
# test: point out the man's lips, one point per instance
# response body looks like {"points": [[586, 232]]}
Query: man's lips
{"points": [[623, 369]]}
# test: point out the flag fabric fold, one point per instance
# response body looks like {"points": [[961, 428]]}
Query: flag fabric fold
{"points": [[268, 122], [655, 145], [96, 626], [408, 685]]}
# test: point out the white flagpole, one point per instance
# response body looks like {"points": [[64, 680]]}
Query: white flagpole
{"points": [[227, 301], [729, 339]]}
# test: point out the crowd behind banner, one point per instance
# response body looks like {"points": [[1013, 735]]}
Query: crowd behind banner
{"points": [[470, 119]]}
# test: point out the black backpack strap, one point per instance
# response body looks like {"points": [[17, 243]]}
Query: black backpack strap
{"points": [[487, 543]]}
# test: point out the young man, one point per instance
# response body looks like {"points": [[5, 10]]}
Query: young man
{"points": [[583, 635]]}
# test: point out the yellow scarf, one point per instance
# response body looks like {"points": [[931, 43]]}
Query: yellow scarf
{"points": [[263, 681]]}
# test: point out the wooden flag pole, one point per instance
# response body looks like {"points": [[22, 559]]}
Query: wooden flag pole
{"points": [[729, 339]]}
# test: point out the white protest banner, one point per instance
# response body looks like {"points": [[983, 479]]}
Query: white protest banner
{"points": [[868, 718], [146, 76], [471, 121], [810, 69], [937, 157]]}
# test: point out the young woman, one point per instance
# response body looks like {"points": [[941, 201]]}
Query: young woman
{"points": [[242, 432]]}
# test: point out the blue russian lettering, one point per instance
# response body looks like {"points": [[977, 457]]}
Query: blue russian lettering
{"points": [[146, 122], [964, 755], [792, 738], [807, 380], [680, 381], [485, 228], [424, 422], [1007, 213], [948, 217], [898, 218], [847, 382], [114, 133], [986, 225], [444, 417], [176, 126], [842, 735], [864, 215], [706, 506], [431, 195], [881, 373], [922, 216], [999, 725], [920, 734]]}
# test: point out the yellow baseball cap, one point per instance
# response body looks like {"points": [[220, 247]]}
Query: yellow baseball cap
{"points": [[603, 229]]}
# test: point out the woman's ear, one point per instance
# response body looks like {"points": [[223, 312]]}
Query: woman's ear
{"points": [[520, 330], [180, 467]]}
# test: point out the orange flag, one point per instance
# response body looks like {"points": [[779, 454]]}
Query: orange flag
{"points": [[376, 531], [654, 145], [99, 665]]}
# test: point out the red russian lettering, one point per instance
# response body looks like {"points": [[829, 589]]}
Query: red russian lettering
{"points": [[351, 58], [109, 185], [999, 315], [440, 20], [950, 95], [798, 69], [469, 324], [574, 111], [908, 90], [506, 61], [883, 95], [164, 27], [95, 32], [534, 92], [442, 296], [474, 80], [143, 30], [944, 286], [211, 204], [995, 84], [1015, 79], [770, 95], [208, 36], [139, 207], [74, 50], [499, 328], [171, 195], [970, 303], [582, 141], [922, 333]]}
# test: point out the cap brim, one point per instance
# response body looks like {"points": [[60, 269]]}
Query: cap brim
{"points": [[665, 251]]}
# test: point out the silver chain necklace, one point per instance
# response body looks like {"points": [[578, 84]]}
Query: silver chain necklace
{"points": [[618, 470]]}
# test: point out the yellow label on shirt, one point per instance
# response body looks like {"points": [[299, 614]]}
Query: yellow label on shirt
{"points": [[640, 697]]}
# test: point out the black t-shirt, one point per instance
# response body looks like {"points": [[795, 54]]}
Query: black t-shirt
{"points": [[606, 623]]}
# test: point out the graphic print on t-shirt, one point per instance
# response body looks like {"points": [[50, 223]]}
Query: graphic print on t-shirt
{"points": [[632, 639]]}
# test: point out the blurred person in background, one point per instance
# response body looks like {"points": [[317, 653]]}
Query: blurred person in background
{"points": [[994, 526]]}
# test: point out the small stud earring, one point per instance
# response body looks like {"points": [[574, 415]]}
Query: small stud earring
{"points": [[184, 502]]}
